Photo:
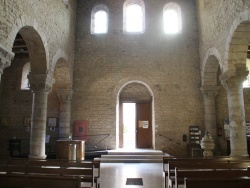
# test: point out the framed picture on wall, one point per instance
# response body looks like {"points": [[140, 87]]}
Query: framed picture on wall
{"points": [[248, 128], [52, 122], [27, 122], [5, 121]]}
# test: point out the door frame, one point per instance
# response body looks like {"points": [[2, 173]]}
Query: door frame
{"points": [[120, 134], [118, 89]]}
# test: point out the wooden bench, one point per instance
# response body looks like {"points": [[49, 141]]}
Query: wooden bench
{"points": [[84, 169], [167, 159], [44, 167], [194, 166], [3, 167], [97, 170], [240, 182], [17, 166], [181, 174], [38, 181], [187, 168], [52, 169]]}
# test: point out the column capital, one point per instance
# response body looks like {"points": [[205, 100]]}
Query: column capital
{"points": [[210, 91], [40, 82], [234, 78], [64, 95], [5, 58]]}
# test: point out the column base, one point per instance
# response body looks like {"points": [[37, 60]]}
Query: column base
{"points": [[238, 153], [37, 156]]}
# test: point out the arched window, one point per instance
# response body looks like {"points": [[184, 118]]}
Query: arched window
{"points": [[172, 20], [99, 19], [25, 80], [134, 16]]}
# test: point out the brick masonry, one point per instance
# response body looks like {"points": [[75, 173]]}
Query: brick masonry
{"points": [[167, 65], [168, 68]]}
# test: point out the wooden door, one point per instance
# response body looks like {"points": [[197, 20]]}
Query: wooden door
{"points": [[143, 125]]}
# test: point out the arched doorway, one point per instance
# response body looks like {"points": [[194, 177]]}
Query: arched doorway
{"points": [[136, 124]]}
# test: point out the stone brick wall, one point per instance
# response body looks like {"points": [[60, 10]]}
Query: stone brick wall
{"points": [[215, 20], [137, 66], [167, 64], [52, 18]]}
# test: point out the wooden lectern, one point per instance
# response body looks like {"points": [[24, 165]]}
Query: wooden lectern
{"points": [[62, 149]]}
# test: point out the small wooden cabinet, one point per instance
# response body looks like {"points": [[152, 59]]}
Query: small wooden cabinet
{"points": [[62, 149]]}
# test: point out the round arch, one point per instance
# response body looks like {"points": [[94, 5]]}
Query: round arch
{"points": [[237, 42], [61, 70], [212, 57], [210, 71], [35, 40], [118, 89]]}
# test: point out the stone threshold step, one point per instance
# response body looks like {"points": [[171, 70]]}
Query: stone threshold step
{"points": [[105, 160], [153, 152], [132, 156]]}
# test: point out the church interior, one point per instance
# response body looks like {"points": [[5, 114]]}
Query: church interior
{"points": [[161, 75]]}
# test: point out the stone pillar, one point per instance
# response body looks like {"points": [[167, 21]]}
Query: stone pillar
{"points": [[5, 59], [40, 85], [232, 81], [65, 97], [209, 94]]}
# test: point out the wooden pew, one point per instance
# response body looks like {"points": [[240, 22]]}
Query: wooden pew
{"points": [[97, 170], [167, 159], [3, 167], [195, 165], [83, 169], [240, 182], [38, 181], [38, 170], [17, 166], [44, 167], [181, 174]]}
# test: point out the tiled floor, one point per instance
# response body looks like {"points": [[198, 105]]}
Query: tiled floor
{"points": [[114, 175]]}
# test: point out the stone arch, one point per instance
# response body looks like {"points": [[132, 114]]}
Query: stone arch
{"points": [[211, 56], [35, 40], [237, 42], [62, 74], [117, 91], [210, 89], [211, 67], [61, 70], [148, 83], [234, 74]]}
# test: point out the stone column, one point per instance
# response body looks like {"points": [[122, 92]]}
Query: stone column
{"points": [[209, 94], [65, 97], [5, 59], [232, 81], [40, 85]]}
